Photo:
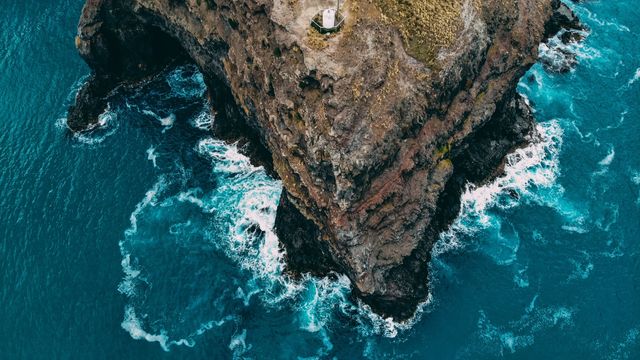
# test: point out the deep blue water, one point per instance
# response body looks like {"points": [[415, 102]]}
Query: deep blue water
{"points": [[139, 240]]}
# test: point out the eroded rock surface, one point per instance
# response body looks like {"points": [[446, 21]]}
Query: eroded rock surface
{"points": [[373, 130]]}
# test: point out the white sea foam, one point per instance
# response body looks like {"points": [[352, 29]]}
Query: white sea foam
{"points": [[608, 217], [61, 122], [499, 340], [581, 271], [554, 58], [609, 158], [558, 55], [527, 170], [620, 122], [520, 278], [204, 120], [105, 127], [246, 296], [152, 156], [132, 273], [132, 325], [635, 178], [127, 286], [226, 158], [635, 77], [374, 324], [539, 319], [533, 166], [194, 196], [574, 229], [582, 267], [135, 277], [187, 82], [238, 344], [149, 198], [604, 23], [625, 348], [242, 209], [246, 200], [496, 340], [321, 295], [166, 121]]}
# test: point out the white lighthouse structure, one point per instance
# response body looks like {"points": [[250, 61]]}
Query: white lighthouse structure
{"points": [[328, 20]]}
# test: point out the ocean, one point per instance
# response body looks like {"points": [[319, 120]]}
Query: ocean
{"points": [[148, 238]]}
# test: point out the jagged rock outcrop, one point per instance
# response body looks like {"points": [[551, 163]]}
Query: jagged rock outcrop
{"points": [[557, 53], [373, 130]]}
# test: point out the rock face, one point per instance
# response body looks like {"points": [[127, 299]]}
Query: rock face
{"points": [[373, 130]]}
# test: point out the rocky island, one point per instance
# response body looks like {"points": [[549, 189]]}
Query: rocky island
{"points": [[374, 130]]}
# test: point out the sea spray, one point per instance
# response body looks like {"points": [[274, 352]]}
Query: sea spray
{"points": [[527, 170], [106, 126]]}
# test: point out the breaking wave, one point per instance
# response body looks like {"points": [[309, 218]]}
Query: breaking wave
{"points": [[194, 229], [106, 126], [529, 175], [558, 55]]}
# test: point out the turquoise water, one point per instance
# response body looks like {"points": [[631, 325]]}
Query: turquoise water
{"points": [[150, 239]]}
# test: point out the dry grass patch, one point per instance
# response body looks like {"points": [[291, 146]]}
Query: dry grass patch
{"points": [[426, 25]]}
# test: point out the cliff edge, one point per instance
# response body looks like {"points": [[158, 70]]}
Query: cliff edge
{"points": [[374, 130]]}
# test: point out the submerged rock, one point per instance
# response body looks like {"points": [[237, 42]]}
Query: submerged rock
{"points": [[374, 130]]}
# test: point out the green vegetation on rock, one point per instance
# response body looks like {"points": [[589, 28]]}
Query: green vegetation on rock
{"points": [[426, 25]]}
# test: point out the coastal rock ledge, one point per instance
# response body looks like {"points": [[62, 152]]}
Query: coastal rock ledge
{"points": [[374, 130]]}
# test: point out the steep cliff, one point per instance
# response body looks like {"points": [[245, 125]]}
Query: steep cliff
{"points": [[373, 130]]}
